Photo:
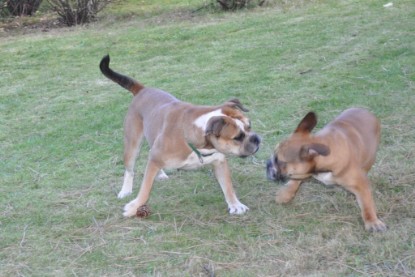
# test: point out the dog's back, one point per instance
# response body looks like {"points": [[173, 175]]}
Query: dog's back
{"points": [[364, 130]]}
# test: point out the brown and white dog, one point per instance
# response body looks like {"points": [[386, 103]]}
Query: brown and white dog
{"points": [[341, 153], [180, 136]]}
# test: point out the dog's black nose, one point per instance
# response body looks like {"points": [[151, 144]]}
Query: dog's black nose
{"points": [[255, 139], [273, 173]]}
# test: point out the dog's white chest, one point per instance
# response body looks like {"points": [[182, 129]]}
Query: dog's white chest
{"points": [[326, 178], [194, 161]]}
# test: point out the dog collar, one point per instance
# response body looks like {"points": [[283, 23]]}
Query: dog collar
{"points": [[199, 155]]}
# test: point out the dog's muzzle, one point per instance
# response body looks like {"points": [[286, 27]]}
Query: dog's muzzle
{"points": [[273, 173], [251, 146]]}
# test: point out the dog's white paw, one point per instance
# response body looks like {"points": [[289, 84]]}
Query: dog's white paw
{"points": [[237, 208], [123, 193], [162, 176], [127, 186], [130, 209]]}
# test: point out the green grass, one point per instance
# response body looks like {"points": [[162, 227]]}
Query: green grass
{"points": [[61, 138]]}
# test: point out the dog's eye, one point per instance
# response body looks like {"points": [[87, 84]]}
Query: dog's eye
{"points": [[239, 137]]}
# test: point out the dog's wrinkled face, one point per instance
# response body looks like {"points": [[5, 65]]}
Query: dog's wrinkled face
{"points": [[294, 158], [291, 159], [231, 133], [230, 136]]}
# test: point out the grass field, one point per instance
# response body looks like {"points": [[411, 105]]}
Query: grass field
{"points": [[61, 141]]}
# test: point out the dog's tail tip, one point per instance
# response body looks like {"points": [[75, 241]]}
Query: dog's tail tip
{"points": [[106, 58], [105, 61]]}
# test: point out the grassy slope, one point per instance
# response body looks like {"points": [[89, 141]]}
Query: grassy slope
{"points": [[61, 144]]}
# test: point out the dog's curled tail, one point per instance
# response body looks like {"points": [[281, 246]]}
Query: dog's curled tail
{"points": [[124, 81]]}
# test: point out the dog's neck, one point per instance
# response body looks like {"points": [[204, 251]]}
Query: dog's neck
{"points": [[202, 143], [322, 163]]}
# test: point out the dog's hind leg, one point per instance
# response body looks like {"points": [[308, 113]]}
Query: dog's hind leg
{"points": [[359, 185], [132, 142]]}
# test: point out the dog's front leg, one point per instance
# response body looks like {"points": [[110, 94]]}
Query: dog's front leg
{"points": [[287, 192], [222, 173], [151, 171]]}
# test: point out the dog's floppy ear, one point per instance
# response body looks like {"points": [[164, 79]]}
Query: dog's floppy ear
{"points": [[235, 103], [215, 125], [309, 151], [307, 124]]}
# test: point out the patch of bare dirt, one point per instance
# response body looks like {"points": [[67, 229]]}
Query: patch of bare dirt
{"points": [[28, 24]]}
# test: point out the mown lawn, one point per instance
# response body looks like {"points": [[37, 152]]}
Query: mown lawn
{"points": [[61, 141]]}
